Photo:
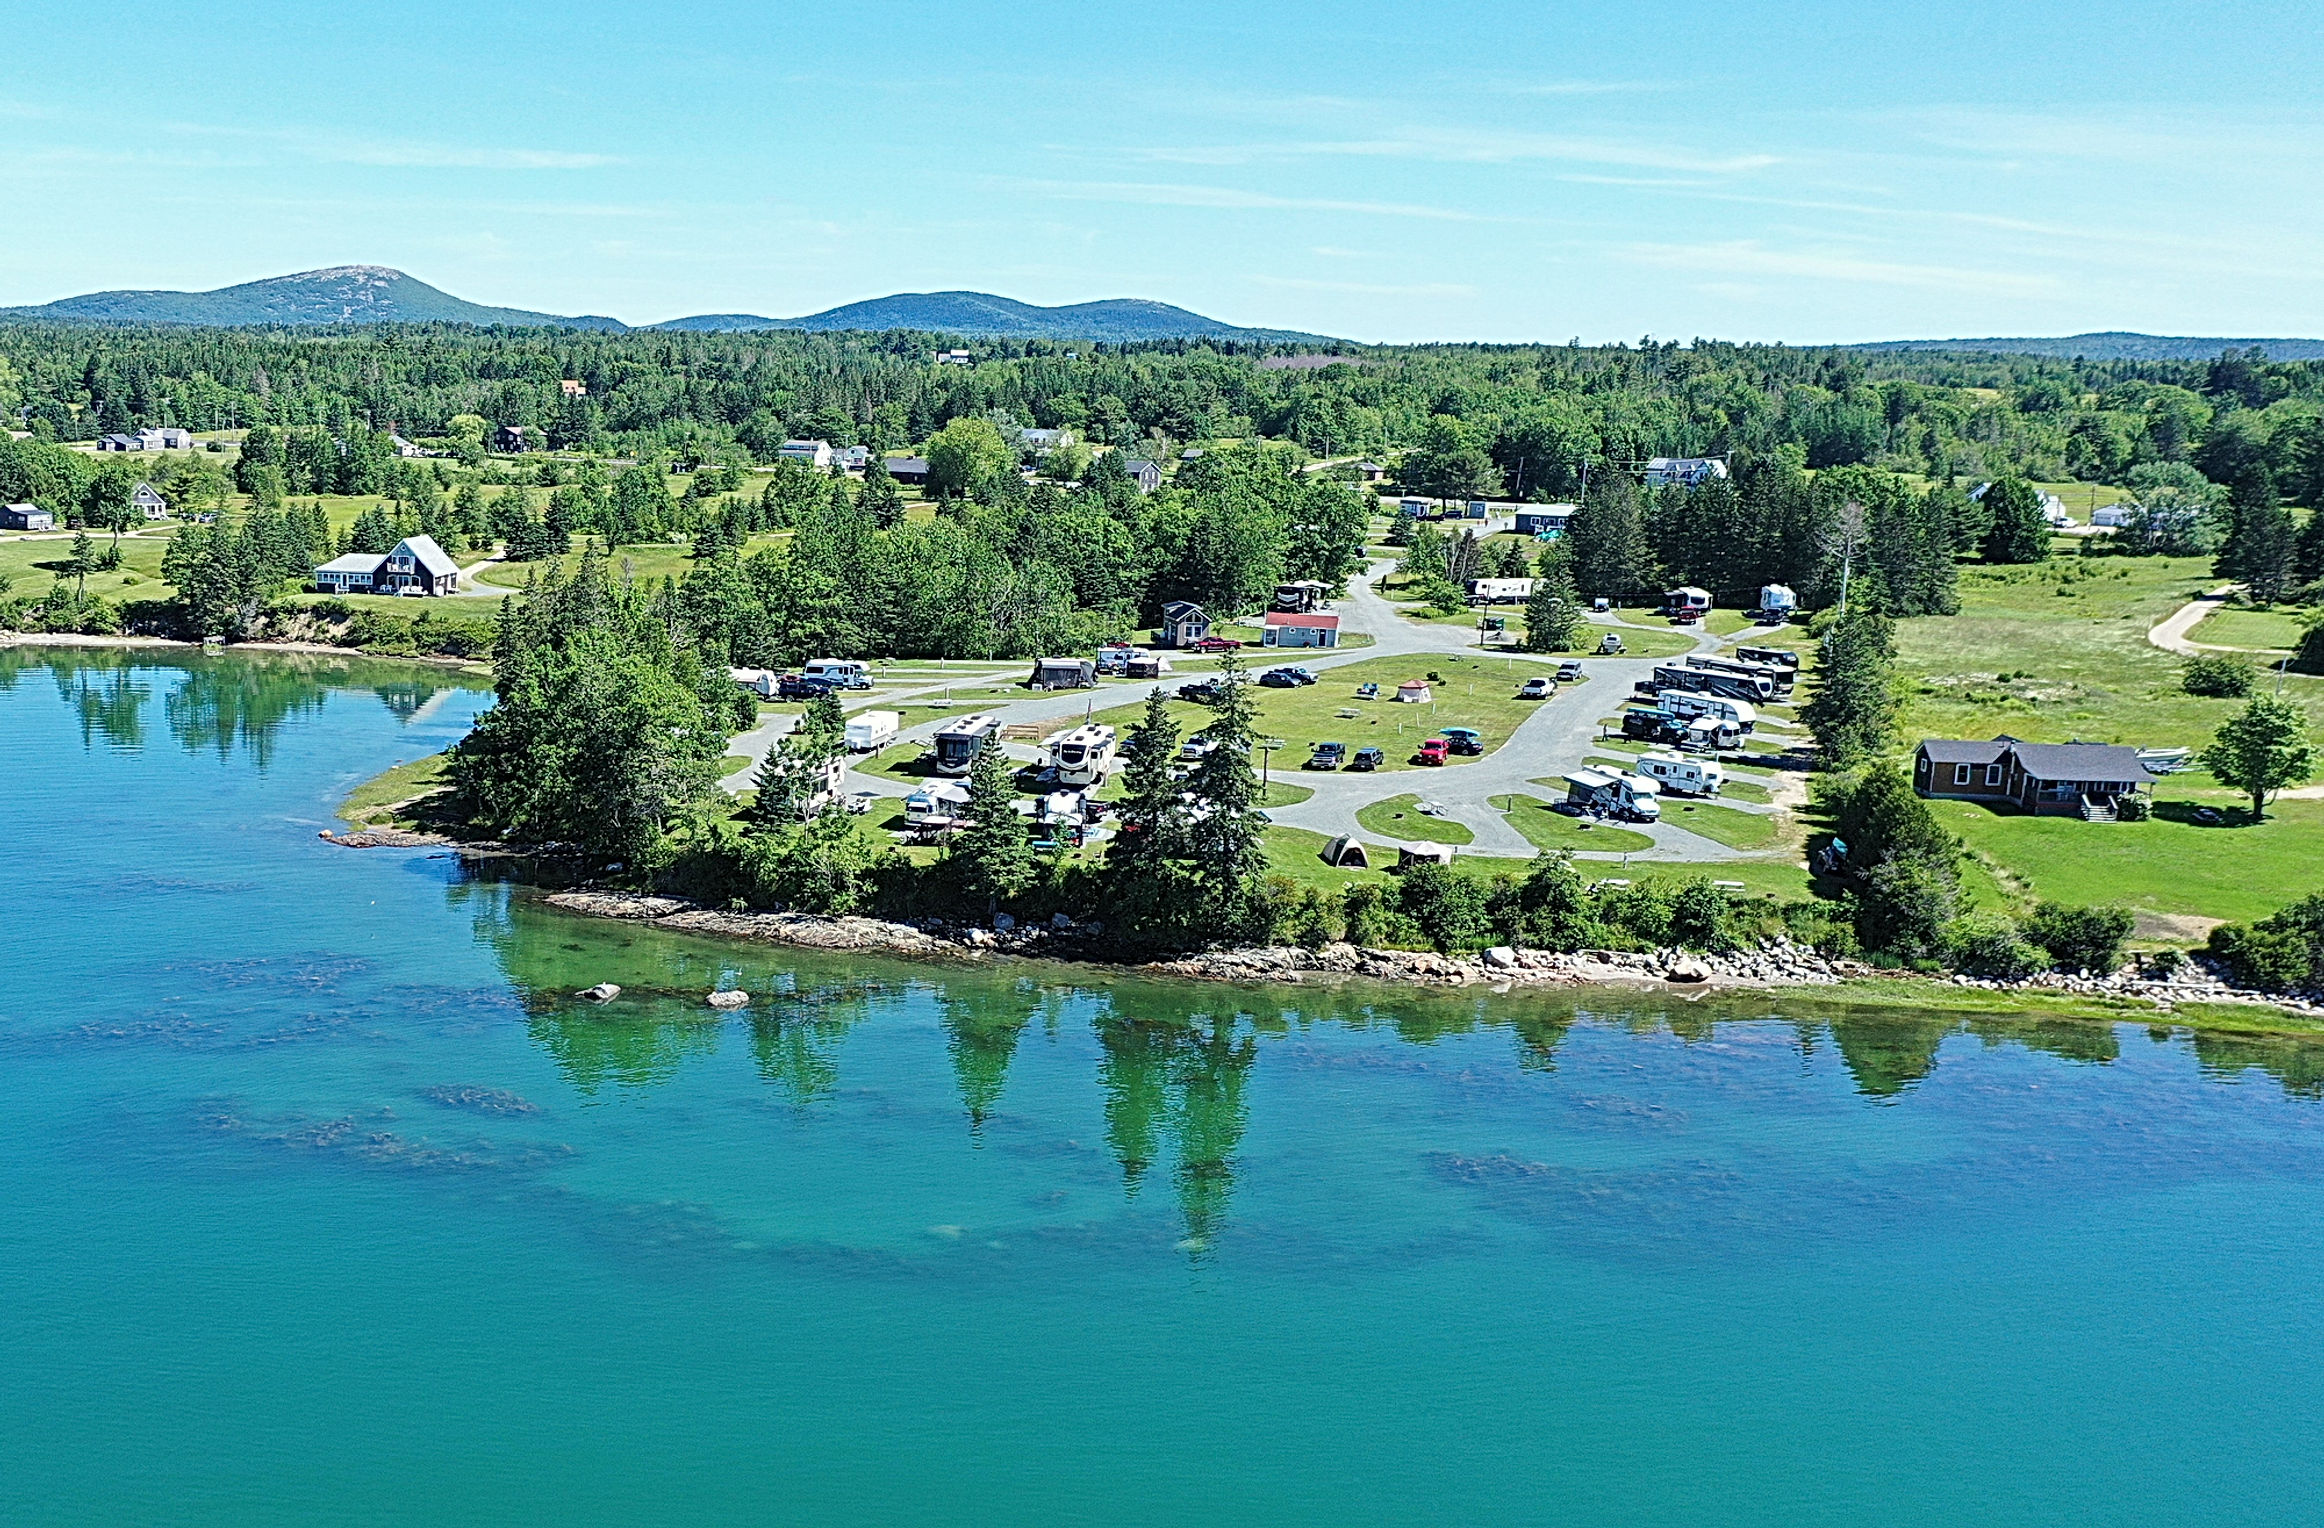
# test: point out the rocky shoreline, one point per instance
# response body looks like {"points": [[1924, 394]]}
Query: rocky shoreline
{"points": [[1771, 964]]}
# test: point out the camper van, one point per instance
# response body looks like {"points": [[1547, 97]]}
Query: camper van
{"points": [[1680, 676], [1604, 792], [839, 673], [959, 742], [1084, 756], [1674, 772], [1686, 705], [1779, 679], [870, 731]]}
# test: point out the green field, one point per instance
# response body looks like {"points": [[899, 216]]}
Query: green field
{"points": [[375, 802], [2262, 630], [1475, 692], [1550, 831], [1400, 817]]}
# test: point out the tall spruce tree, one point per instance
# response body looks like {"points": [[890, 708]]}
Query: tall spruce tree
{"points": [[2018, 532], [2261, 550], [1553, 612], [1611, 558], [1853, 710], [992, 855]]}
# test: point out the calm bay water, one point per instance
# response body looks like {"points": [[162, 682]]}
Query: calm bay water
{"points": [[323, 1202]]}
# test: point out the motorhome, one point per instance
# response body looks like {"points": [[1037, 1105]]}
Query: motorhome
{"points": [[1773, 657], [1686, 705], [959, 742], [1083, 756], [839, 673], [1680, 676], [1779, 679], [870, 731], [1675, 772], [1613, 794]]}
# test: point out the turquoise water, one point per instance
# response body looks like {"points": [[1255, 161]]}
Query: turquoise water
{"points": [[323, 1203]]}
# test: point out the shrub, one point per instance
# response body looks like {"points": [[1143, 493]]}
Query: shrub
{"points": [[1984, 944], [1365, 915], [2133, 808], [2217, 675], [1699, 917], [2260, 957], [1449, 907], [2080, 938]]}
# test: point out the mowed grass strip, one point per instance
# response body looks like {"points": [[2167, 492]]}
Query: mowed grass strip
{"points": [[1401, 817], [1721, 824], [1550, 831]]}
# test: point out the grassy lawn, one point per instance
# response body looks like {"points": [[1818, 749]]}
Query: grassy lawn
{"points": [[1745, 790], [1721, 824], [1476, 692], [659, 559], [31, 564], [1761, 878], [1278, 792], [373, 804], [1401, 817], [2262, 629], [1550, 831], [2161, 865], [1297, 854]]}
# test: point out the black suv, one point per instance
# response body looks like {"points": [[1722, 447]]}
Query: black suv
{"points": [[800, 687], [1368, 758], [1327, 756]]}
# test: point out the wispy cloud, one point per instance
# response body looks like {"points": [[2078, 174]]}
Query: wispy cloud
{"points": [[1481, 146], [1153, 194], [1743, 257], [401, 153], [1369, 288]]}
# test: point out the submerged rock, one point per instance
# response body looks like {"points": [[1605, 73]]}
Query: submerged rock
{"points": [[603, 992], [730, 999]]}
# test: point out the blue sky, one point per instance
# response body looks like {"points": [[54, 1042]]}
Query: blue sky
{"points": [[1804, 172]]}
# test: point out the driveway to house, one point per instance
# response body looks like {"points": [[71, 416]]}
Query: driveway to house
{"points": [[2170, 634]]}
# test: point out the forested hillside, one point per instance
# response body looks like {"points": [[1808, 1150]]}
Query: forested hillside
{"points": [[1538, 414]]}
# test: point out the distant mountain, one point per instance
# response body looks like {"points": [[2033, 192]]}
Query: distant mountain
{"points": [[2114, 345], [343, 294], [1115, 319]]}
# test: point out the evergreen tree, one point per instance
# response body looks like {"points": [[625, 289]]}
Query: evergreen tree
{"points": [[793, 780], [1553, 612], [2261, 547], [991, 856], [881, 498], [1853, 710], [1224, 827], [1152, 811], [2019, 533], [1611, 558]]}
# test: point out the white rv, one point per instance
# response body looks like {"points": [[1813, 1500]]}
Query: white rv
{"points": [[841, 673], [959, 742], [1686, 705], [1674, 772], [1084, 756], [760, 681], [1614, 794], [870, 731]]}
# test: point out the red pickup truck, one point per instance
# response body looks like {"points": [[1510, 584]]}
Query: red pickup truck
{"points": [[1216, 645], [1432, 751]]}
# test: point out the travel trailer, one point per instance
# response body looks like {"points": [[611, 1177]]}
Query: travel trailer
{"points": [[870, 731], [1687, 705], [1675, 772], [1083, 756], [1612, 794]]}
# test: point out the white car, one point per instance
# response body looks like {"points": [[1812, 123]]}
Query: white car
{"points": [[1539, 687]]}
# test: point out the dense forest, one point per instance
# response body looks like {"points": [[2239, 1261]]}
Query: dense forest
{"points": [[1539, 414]]}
